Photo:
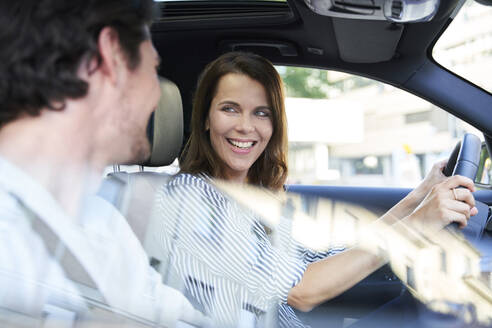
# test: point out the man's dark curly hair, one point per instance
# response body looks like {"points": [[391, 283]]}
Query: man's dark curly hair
{"points": [[44, 42]]}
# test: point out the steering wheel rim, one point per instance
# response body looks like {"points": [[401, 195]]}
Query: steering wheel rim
{"points": [[465, 158], [464, 161]]}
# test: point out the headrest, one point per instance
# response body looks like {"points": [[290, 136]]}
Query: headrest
{"points": [[165, 130]]}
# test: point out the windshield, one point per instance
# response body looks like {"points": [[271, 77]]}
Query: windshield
{"points": [[465, 48]]}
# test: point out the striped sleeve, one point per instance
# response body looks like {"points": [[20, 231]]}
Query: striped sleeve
{"points": [[218, 243], [310, 256]]}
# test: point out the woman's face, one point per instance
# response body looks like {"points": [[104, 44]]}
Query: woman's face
{"points": [[240, 123]]}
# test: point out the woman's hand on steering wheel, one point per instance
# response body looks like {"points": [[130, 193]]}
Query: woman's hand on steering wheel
{"points": [[445, 203], [432, 178]]}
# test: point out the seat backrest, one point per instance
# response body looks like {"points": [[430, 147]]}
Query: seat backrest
{"points": [[133, 193]]}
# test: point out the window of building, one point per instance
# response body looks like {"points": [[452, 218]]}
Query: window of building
{"points": [[418, 117]]}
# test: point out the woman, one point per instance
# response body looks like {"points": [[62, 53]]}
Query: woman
{"points": [[222, 253]]}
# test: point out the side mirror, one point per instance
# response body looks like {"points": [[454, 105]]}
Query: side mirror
{"points": [[484, 173]]}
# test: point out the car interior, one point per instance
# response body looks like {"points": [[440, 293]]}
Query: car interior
{"points": [[369, 38]]}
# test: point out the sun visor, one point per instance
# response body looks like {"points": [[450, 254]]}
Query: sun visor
{"points": [[399, 11], [363, 41]]}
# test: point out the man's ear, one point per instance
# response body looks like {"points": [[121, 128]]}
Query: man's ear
{"points": [[112, 59]]}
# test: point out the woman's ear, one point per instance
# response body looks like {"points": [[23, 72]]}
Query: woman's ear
{"points": [[207, 125]]}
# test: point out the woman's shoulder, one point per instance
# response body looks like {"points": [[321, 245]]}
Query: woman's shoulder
{"points": [[198, 184], [200, 180], [190, 179]]}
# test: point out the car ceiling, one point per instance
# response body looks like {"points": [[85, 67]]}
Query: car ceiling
{"points": [[398, 54]]}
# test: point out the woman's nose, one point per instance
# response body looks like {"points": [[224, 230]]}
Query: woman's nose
{"points": [[245, 124]]}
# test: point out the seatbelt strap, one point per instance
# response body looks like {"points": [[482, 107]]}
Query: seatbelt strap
{"points": [[58, 250]]}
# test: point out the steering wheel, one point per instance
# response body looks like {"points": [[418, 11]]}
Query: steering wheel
{"points": [[464, 160]]}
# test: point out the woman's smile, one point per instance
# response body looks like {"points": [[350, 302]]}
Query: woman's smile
{"points": [[241, 146]]}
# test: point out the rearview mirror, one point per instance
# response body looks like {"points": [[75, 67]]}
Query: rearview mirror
{"points": [[484, 173], [399, 11]]}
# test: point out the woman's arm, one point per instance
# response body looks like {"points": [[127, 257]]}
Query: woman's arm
{"points": [[330, 277]]}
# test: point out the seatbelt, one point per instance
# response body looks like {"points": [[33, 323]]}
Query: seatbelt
{"points": [[99, 310], [72, 267]]}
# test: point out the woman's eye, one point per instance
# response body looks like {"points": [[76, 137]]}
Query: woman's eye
{"points": [[263, 113], [229, 109]]}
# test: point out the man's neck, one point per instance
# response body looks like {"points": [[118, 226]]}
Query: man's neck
{"points": [[56, 155]]}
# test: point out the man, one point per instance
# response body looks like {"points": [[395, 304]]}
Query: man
{"points": [[78, 84]]}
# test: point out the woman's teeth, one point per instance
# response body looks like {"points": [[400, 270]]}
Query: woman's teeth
{"points": [[241, 144]]}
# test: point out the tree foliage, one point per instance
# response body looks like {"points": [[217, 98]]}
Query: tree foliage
{"points": [[305, 83]]}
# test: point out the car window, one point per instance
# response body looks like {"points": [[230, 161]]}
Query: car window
{"points": [[349, 130], [465, 48]]}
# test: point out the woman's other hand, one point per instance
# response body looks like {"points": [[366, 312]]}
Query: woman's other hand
{"points": [[445, 203]]}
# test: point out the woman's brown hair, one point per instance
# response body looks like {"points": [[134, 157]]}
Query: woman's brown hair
{"points": [[270, 169]]}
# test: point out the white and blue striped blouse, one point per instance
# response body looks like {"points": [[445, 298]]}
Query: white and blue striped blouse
{"points": [[223, 255]]}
